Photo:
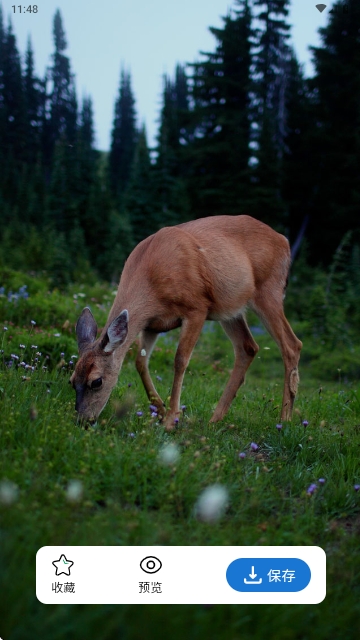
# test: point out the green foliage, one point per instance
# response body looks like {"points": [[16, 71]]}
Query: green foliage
{"points": [[327, 302]]}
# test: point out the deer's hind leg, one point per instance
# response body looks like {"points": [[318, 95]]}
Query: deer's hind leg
{"points": [[147, 343], [268, 304], [245, 350]]}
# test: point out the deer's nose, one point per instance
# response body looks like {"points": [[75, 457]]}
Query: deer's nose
{"points": [[80, 391]]}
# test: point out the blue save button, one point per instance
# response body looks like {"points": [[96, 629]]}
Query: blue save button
{"points": [[268, 574]]}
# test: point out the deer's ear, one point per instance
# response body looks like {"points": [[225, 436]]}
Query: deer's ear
{"points": [[116, 333], [86, 329]]}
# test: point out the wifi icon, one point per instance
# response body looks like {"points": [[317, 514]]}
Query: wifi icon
{"points": [[321, 7]]}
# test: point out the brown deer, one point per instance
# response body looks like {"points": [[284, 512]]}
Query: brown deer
{"points": [[207, 269]]}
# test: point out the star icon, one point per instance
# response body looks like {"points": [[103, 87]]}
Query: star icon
{"points": [[63, 565]]}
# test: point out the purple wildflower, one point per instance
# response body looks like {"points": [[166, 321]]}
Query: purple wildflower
{"points": [[32, 322], [132, 435], [242, 455], [279, 427], [176, 420], [153, 408], [183, 407], [356, 487], [159, 378], [154, 414], [311, 489], [254, 446], [321, 481], [139, 413], [305, 423], [130, 383]]}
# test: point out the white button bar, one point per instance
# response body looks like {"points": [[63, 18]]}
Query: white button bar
{"points": [[178, 575]]}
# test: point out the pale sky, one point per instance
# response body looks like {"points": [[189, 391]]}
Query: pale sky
{"points": [[147, 37]]}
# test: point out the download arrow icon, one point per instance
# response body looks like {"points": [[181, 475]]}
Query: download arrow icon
{"points": [[252, 574]]}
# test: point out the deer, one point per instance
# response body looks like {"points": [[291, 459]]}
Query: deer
{"points": [[211, 268]]}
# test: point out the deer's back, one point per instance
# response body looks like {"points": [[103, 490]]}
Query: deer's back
{"points": [[220, 260]]}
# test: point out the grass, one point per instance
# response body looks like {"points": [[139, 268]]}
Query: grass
{"points": [[129, 497]]}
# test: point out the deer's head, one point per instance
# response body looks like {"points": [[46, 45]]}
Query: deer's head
{"points": [[97, 369]]}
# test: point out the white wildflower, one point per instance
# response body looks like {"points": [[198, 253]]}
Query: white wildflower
{"points": [[74, 491], [8, 492], [169, 454], [212, 503]]}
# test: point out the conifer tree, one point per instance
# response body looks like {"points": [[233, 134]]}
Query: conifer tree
{"points": [[299, 167], [139, 199], [13, 103], [170, 170], [336, 142], [63, 104], [271, 63], [123, 138], [34, 101], [219, 151], [2, 87], [86, 157]]}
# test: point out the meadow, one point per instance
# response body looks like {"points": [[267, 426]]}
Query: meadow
{"points": [[128, 482]]}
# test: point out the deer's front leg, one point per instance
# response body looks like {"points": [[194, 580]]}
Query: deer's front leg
{"points": [[190, 331], [147, 343]]}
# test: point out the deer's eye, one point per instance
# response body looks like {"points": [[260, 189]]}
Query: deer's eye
{"points": [[96, 384]]}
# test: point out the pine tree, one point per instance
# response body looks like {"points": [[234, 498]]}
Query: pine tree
{"points": [[123, 138], [139, 201], [34, 98], [336, 140], [12, 128], [2, 87], [219, 151], [299, 166], [271, 67], [61, 205], [13, 103], [86, 158], [108, 233], [170, 170], [62, 122]]}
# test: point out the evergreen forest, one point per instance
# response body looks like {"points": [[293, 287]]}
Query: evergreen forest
{"points": [[241, 131]]}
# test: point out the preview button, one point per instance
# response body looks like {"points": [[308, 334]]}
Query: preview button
{"points": [[268, 574]]}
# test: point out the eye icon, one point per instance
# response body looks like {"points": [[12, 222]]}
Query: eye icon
{"points": [[150, 564]]}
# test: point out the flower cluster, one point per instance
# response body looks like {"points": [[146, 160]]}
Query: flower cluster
{"points": [[14, 297], [314, 486], [312, 489]]}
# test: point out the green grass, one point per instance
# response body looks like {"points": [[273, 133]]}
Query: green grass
{"points": [[130, 498]]}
